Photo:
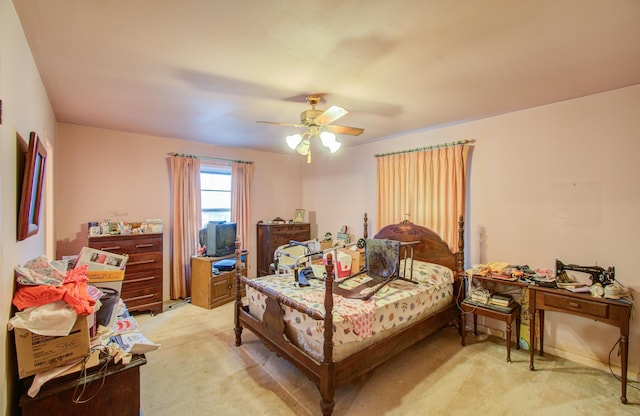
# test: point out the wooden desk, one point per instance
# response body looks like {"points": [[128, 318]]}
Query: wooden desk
{"points": [[119, 396], [612, 312]]}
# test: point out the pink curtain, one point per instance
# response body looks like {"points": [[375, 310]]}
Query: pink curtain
{"points": [[426, 187], [241, 191], [185, 221]]}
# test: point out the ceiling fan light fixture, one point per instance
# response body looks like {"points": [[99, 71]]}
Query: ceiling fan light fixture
{"points": [[333, 147], [303, 147], [327, 138], [294, 140]]}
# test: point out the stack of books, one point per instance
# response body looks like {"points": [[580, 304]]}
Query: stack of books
{"points": [[500, 299], [480, 295]]}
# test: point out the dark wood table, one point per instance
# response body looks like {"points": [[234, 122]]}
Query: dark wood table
{"points": [[508, 315], [115, 391], [612, 312]]}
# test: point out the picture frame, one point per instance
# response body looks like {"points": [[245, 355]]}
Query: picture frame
{"points": [[298, 216], [32, 184]]}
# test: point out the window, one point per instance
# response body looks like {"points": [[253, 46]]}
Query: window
{"points": [[215, 194]]}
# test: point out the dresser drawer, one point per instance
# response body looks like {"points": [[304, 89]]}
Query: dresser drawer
{"points": [[584, 307], [127, 246], [139, 297], [143, 261], [149, 278]]}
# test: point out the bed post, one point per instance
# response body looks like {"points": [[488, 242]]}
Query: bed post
{"points": [[460, 272], [365, 235], [238, 304], [327, 370], [460, 256]]}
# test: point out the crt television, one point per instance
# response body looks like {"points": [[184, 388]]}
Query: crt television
{"points": [[219, 238]]}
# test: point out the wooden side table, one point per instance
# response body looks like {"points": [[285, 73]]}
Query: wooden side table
{"points": [[506, 315], [210, 290], [612, 312], [115, 391]]}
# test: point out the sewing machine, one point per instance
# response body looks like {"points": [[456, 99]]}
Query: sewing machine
{"points": [[597, 273]]}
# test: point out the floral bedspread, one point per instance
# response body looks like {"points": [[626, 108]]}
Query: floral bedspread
{"points": [[396, 304]]}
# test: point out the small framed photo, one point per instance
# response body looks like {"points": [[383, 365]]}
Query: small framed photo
{"points": [[298, 216]]}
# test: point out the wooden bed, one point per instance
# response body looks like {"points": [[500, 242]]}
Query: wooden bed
{"points": [[326, 372]]}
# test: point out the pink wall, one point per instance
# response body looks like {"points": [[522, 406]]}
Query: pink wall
{"points": [[557, 181], [25, 108], [108, 174], [553, 182]]}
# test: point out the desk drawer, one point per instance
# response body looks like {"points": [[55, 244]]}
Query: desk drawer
{"points": [[584, 307]]}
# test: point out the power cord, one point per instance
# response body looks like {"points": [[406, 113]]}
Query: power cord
{"points": [[83, 378], [632, 384]]}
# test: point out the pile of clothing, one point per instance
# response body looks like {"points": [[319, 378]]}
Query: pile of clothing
{"points": [[50, 297]]}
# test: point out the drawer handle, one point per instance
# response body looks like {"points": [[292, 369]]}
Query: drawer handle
{"points": [[144, 245], [110, 248], [574, 305], [138, 298], [135, 263], [142, 279]]}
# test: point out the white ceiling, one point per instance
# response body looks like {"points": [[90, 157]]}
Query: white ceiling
{"points": [[207, 70]]}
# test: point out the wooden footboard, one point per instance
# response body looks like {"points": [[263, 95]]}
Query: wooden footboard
{"points": [[271, 330], [327, 374]]}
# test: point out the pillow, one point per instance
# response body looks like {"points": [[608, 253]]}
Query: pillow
{"points": [[424, 272]]}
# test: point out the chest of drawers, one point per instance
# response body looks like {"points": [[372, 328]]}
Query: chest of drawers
{"points": [[142, 285], [271, 236]]}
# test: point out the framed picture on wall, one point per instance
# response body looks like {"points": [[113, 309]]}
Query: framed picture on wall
{"points": [[298, 216], [32, 184]]}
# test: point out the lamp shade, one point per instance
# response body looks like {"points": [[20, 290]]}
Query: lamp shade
{"points": [[303, 147], [327, 138], [294, 140], [333, 147]]}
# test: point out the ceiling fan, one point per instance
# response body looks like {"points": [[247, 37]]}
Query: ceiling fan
{"points": [[318, 123]]}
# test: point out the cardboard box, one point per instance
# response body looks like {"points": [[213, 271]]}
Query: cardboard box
{"points": [[100, 276], [38, 352], [342, 263], [357, 259]]}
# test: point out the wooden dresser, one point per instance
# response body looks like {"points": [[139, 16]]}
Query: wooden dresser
{"points": [[142, 285], [271, 236]]}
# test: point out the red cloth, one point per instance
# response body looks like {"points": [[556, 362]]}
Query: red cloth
{"points": [[73, 291]]}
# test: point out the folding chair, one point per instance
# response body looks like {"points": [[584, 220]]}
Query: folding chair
{"points": [[382, 259]]}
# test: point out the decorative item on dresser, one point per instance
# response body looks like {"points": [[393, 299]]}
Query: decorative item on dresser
{"points": [[271, 236], [142, 285]]}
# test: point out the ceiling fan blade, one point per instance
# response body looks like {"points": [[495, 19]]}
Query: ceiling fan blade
{"points": [[330, 115], [351, 131], [281, 124]]}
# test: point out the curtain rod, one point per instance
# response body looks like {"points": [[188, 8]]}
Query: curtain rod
{"points": [[209, 158], [420, 149]]}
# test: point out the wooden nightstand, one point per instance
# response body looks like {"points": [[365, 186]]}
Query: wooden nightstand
{"points": [[210, 290], [507, 315]]}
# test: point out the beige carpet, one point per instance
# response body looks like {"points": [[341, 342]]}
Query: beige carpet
{"points": [[198, 370]]}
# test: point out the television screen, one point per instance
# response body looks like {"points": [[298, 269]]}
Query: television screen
{"points": [[219, 238]]}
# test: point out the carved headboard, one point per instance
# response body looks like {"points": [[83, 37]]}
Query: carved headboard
{"points": [[431, 248]]}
